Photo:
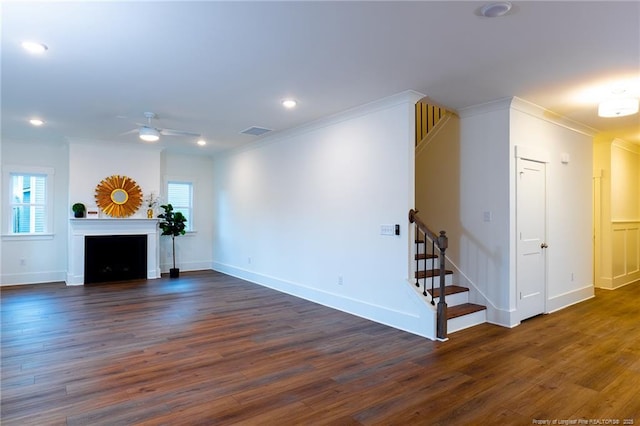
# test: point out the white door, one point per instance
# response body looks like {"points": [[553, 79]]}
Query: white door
{"points": [[531, 215]]}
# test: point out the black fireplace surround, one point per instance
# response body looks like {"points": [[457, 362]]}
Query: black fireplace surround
{"points": [[114, 258]]}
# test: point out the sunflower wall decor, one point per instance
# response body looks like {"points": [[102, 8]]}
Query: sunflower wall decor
{"points": [[118, 196]]}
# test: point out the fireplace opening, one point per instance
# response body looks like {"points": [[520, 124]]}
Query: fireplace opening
{"points": [[114, 258]]}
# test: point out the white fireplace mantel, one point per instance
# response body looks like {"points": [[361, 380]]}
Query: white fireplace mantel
{"points": [[79, 228]]}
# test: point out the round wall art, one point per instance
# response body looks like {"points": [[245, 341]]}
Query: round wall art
{"points": [[118, 196]]}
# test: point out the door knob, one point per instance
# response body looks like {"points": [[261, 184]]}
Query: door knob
{"points": [[543, 246]]}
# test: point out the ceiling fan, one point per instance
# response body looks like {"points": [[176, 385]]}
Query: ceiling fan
{"points": [[149, 133]]}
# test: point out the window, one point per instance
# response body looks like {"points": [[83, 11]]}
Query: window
{"points": [[29, 200], [180, 196]]}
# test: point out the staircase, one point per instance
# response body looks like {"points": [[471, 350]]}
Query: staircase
{"points": [[435, 282], [460, 313], [433, 131]]}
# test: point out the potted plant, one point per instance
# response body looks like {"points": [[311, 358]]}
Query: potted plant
{"points": [[78, 210], [173, 224], [152, 202]]}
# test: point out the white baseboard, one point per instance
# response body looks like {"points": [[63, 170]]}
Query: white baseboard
{"points": [[186, 266], [410, 322], [569, 298], [33, 277]]}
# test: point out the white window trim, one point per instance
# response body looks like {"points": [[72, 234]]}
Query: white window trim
{"points": [[165, 196], [7, 171]]}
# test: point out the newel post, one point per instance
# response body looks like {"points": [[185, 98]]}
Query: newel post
{"points": [[441, 332]]}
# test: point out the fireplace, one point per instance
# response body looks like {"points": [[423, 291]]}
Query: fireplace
{"points": [[113, 232], [114, 258]]}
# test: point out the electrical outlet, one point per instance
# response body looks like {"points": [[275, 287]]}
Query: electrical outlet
{"points": [[249, 260], [340, 281], [23, 262]]}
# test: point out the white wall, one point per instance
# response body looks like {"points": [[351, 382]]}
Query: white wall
{"points": [[484, 187], [489, 136], [90, 162], [569, 201], [617, 212], [44, 257], [194, 250], [301, 212], [78, 167]]}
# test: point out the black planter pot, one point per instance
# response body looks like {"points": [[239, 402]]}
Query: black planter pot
{"points": [[174, 272], [78, 214]]}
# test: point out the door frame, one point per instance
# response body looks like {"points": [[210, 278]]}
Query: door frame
{"points": [[539, 155]]}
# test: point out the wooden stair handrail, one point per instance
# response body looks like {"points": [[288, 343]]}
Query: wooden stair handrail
{"points": [[442, 241]]}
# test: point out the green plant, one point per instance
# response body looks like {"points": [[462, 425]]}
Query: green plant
{"points": [[78, 209], [173, 224]]}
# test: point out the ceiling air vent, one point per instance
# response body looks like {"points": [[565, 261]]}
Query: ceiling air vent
{"points": [[255, 131]]}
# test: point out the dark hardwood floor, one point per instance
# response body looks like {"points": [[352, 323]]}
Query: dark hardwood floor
{"points": [[208, 349]]}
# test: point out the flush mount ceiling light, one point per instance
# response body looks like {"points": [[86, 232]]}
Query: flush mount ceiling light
{"points": [[289, 103], [34, 47], [496, 9], [36, 122], [201, 142], [149, 134], [618, 107]]}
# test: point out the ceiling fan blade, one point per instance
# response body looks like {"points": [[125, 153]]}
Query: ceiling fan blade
{"points": [[173, 132], [130, 132]]}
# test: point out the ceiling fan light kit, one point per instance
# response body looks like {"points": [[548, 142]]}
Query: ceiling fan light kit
{"points": [[618, 107], [34, 47], [149, 134]]}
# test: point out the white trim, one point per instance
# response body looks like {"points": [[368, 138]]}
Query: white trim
{"points": [[627, 146], [497, 105], [569, 298], [191, 227], [401, 320], [408, 96], [532, 153], [203, 265], [549, 116], [528, 108], [27, 278], [79, 228], [14, 169], [28, 237]]}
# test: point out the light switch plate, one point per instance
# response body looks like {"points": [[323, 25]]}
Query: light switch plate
{"points": [[387, 230]]}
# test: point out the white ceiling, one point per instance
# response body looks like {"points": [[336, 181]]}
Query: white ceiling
{"points": [[217, 68]]}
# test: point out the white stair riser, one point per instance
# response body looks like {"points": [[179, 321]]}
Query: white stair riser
{"points": [[455, 299], [428, 264], [466, 321], [448, 280]]}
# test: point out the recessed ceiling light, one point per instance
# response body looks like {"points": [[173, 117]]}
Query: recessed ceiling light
{"points": [[34, 47], [36, 122], [289, 103], [201, 142], [618, 107], [496, 9]]}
